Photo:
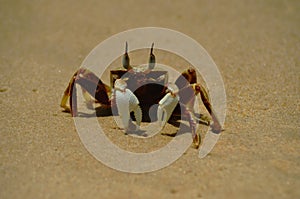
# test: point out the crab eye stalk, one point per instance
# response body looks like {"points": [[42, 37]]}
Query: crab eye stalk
{"points": [[125, 59], [152, 58]]}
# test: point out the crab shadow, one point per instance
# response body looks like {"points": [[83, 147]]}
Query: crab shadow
{"points": [[182, 129], [99, 112], [139, 133], [176, 121]]}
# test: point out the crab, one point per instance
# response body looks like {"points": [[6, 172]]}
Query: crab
{"points": [[144, 87]]}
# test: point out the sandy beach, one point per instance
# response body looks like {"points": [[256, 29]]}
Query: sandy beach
{"points": [[255, 45]]}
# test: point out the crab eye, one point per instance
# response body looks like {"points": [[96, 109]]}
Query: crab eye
{"points": [[191, 70], [152, 58], [125, 58]]}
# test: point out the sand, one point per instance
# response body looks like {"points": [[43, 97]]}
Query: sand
{"points": [[256, 46]]}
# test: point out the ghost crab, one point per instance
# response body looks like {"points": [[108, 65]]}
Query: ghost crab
{"points": [[136, 89]]}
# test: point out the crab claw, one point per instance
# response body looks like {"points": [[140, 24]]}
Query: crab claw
{"points": [[127, 102], [166, 107]]}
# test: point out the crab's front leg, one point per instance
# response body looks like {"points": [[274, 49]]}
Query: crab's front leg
{"points": [[89, 83]]}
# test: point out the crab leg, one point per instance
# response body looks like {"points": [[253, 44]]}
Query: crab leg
{"points": [[67, 94], [189, 77], [65, 98], [216, 126], [187, 99], [196, 138], [89, 83], [73, 99]]}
